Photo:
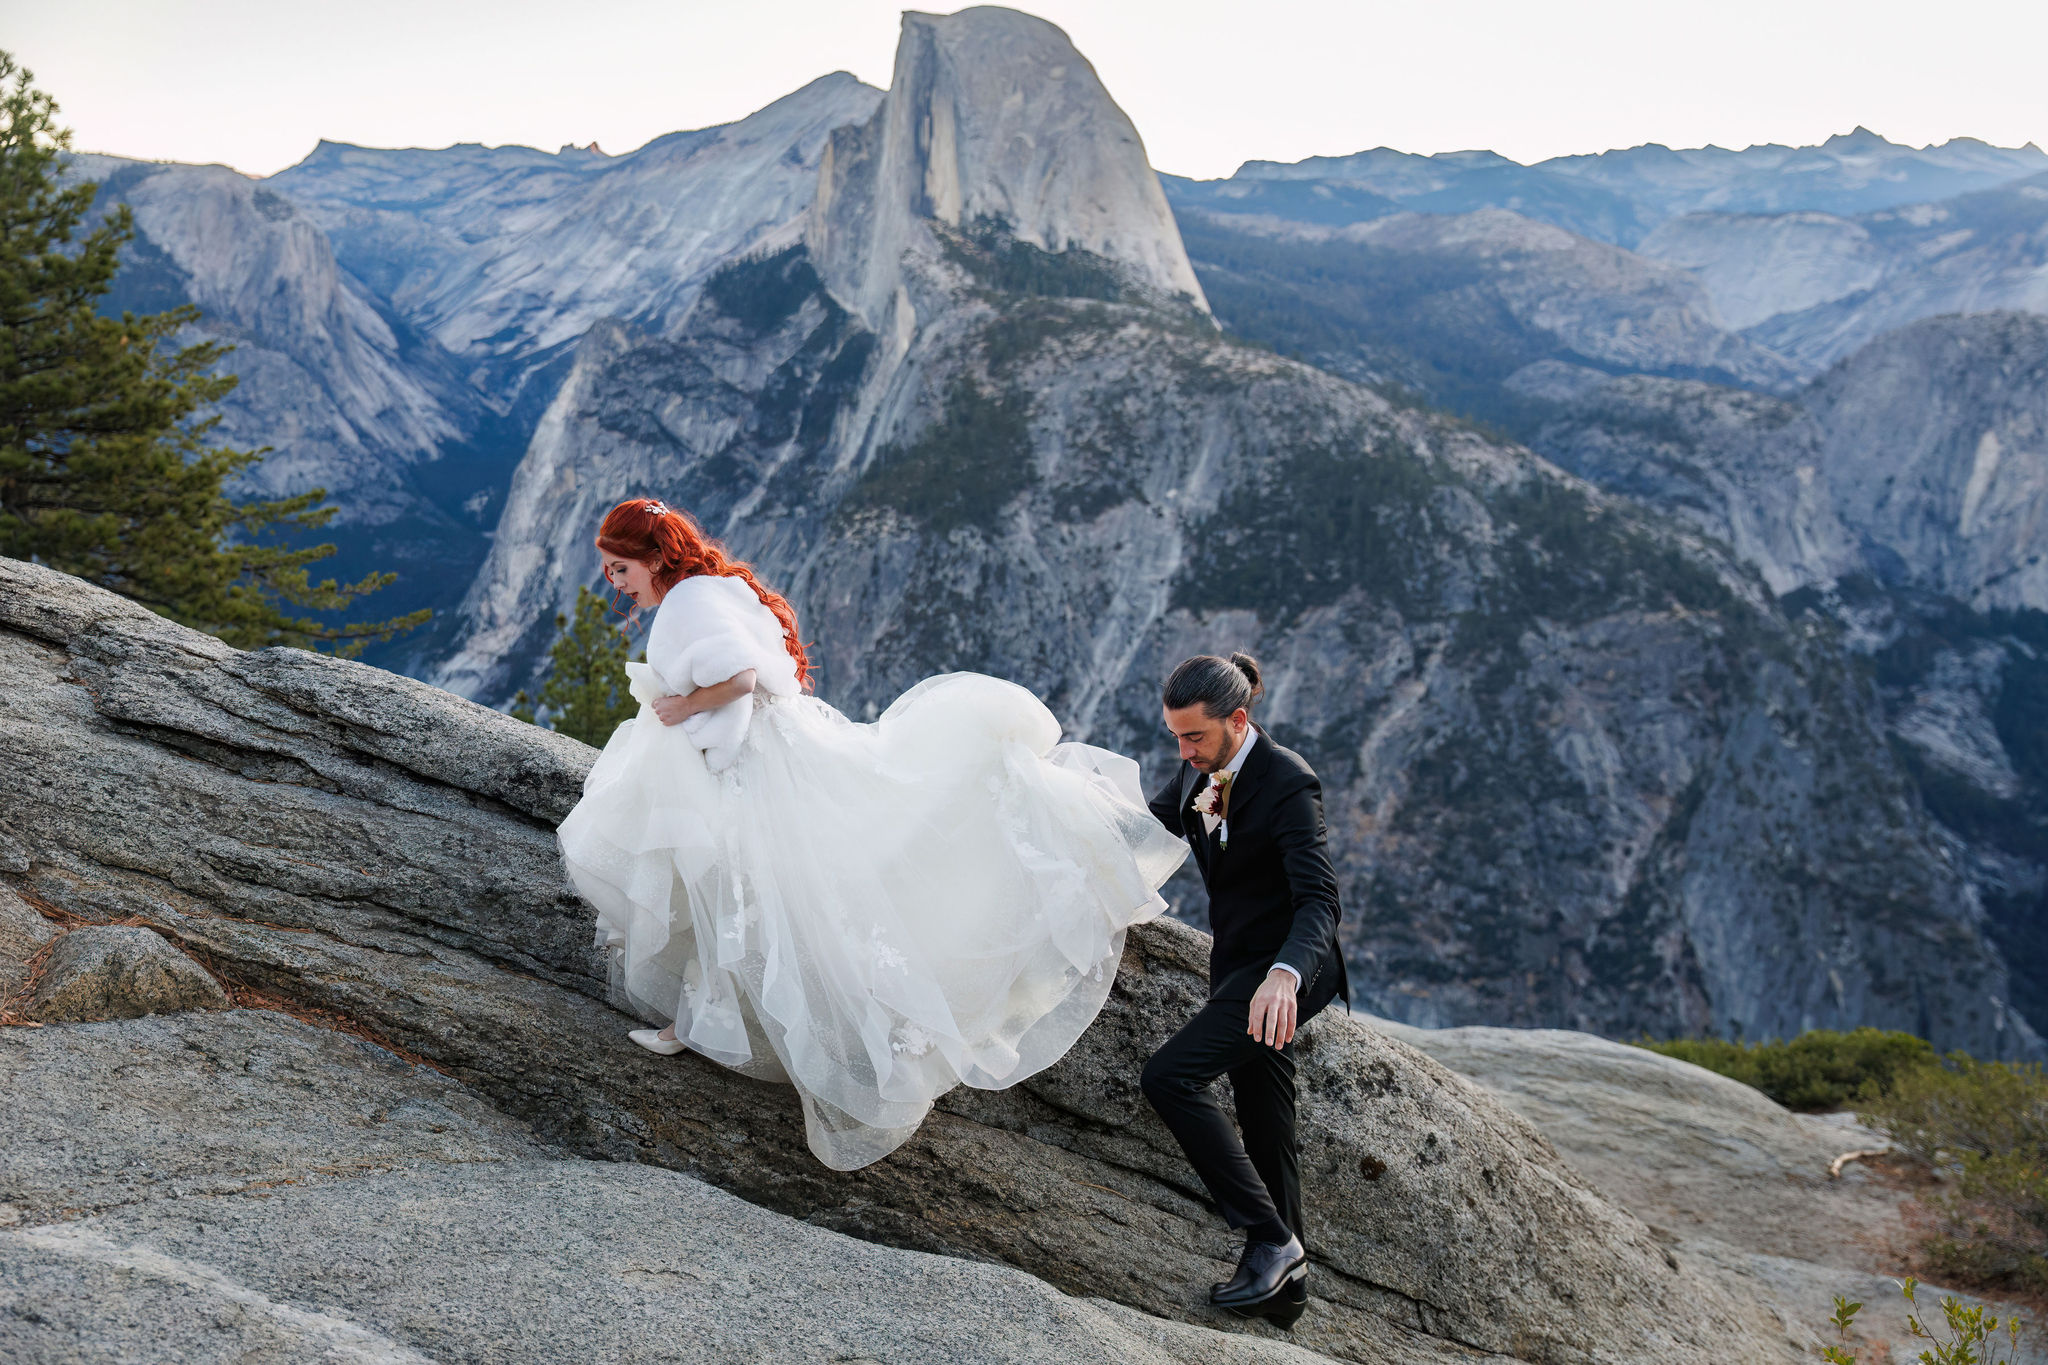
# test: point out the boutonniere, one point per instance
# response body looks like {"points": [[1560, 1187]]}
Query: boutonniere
{"points": [[1212, 802]]}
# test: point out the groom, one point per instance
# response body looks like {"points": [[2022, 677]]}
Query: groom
{"points": [[1253, 812]]}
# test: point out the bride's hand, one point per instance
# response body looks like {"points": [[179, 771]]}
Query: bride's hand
{"points": [[674, 710]]}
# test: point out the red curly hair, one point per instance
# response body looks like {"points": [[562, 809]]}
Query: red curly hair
{"points": [[674, 547]]}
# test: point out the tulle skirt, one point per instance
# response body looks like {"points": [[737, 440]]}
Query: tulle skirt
{"points": [[874, 913]]}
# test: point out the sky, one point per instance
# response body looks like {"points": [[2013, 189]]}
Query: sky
{"points": [[255, 83]]}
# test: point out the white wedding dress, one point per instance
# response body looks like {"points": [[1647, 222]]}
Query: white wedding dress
{"points": [[874, 913]]}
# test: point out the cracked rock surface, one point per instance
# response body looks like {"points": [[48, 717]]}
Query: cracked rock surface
{"points": [[349, 841], [243, 1186]]}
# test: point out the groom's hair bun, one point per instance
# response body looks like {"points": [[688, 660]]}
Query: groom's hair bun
{"points": [[1248, 666], [1218, 686]]}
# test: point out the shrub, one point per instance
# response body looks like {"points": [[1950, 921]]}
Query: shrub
{"points": [[1985, 1124], [1820, 1069], [1965, 1335]]}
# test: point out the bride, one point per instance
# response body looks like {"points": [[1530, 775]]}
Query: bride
{"points": [[873, 913]]}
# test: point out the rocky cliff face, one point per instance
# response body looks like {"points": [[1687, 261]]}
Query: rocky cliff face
{"points": [[348, 395], [507, 255], [377, 856], [1815, 287], [1921, 460], [996, 149], [992, 117], [1901, 497], [1756, 266], [1966, 694]]}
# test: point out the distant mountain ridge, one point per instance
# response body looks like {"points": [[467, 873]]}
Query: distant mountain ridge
{"points": [[506, 255], [1404, 274], [1620, 196]]}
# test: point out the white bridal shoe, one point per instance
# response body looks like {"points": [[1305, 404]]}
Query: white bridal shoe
{"points": [[651, 1039]]}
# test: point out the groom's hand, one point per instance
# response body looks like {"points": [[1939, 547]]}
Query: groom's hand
{"points": [[1272, 1021]]}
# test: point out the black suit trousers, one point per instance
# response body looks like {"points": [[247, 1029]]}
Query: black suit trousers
{"points": [[1259, 1177]]}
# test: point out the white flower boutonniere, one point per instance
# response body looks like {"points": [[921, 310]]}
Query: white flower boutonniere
{"points": [[1212, 803]]}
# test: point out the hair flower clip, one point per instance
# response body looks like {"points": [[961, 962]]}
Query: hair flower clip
{"points": [[655, 508]]}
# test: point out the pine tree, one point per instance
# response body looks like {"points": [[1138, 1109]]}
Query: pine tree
{"points": [[106, 469], [585, 695]]}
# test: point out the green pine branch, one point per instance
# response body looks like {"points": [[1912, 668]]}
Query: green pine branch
{"points": [[585, 695], [108, 469]]}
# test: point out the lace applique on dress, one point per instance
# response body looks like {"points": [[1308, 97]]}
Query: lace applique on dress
{"points": [[914, 1039], [886, 957], [718, 1016], [744, 914], [1061, 875], [743, 919]]}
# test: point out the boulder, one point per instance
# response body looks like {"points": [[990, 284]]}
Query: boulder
{"points": [[367, 846], [1737, 1185], [1693, 1153], [121, 972]]}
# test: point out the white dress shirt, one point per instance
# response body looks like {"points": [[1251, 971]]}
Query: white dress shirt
{"points": [[1231, 770]]}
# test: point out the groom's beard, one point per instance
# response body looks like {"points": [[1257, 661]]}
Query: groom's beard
{"points": [[1212, 763]]}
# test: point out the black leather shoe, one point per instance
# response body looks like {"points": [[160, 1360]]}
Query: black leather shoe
{"points": [[1263, 1271], [1285, 1308]]}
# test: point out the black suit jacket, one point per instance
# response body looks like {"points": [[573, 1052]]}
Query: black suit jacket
{"points": [[1272, 891]]}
